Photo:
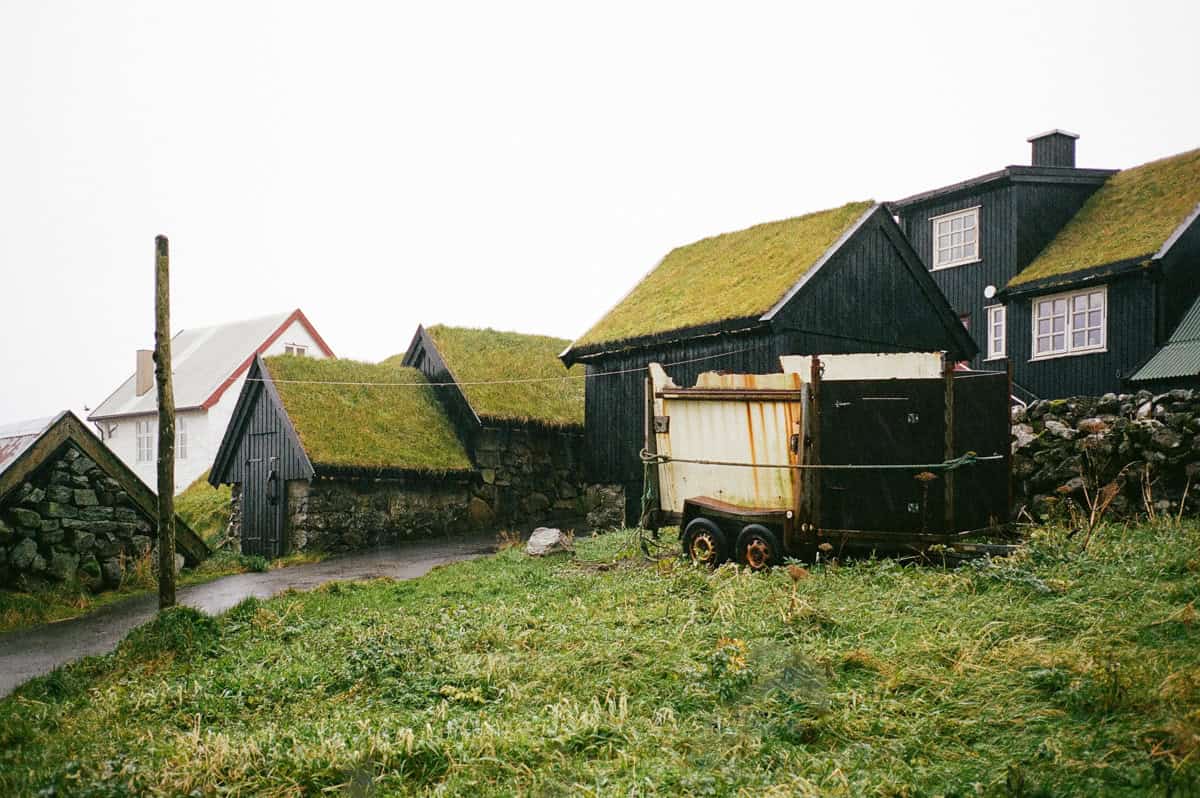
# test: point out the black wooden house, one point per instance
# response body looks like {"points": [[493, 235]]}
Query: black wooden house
{"points": [[1075, 276], [838, 281]]}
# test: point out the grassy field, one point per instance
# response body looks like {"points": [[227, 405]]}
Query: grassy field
{"points": [[1055, 672]]}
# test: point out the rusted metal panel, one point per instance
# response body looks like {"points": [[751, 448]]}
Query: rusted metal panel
{"points": [[737, 418]]}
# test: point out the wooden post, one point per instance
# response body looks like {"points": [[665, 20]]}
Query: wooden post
{"points": [[166, 424], [950, 450]]}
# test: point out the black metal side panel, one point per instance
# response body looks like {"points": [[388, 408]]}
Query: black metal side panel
{"points": [[882, 422], [981, 425]]}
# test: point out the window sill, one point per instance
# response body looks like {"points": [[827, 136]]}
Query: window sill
{"points": [[956, 265], [1039, 358], [995, 357]]}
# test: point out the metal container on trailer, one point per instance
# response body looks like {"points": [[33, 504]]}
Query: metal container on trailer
{"points": [[867, 451]]}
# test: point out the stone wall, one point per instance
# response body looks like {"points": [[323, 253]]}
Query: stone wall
{"points": [[338, 515], [70, 521], [529, 476], [1061, 446]]}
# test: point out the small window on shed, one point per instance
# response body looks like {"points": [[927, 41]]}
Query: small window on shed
{"points": [[181, 438], [956, 238], [295, 349]]}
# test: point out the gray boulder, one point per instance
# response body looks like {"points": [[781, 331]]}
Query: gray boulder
{"points": [[546, 540], [22, 555]]}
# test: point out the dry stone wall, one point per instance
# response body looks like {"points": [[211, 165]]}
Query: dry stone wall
{"points": [[338, 515], [528, 476], [1148, 444], [70, 521]]}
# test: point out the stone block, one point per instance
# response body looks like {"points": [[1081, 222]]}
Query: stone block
{"points": [[479, 513], [141, 544], [80, 481], [83, 541], [60, 493], [110, 572], [63, 565], [126, 514], [488, 475], [57, 510], [53, 534], [86, 498], [95, 513], [82, 465], [33, 497], [28, 519], [22, 555]]}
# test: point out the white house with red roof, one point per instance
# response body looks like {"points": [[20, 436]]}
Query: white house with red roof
{"points": [[209, 365]]}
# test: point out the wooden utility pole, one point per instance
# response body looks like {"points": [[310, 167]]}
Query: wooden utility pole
{"points": [[166, 424]]}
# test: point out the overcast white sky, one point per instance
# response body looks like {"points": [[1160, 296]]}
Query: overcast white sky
{"points": [[497, 164]]}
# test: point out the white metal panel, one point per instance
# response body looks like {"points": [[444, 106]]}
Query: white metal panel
{"points": [[756, 429], [869, 366]]}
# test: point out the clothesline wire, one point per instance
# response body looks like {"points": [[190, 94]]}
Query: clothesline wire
{"points": [[614, 373]]}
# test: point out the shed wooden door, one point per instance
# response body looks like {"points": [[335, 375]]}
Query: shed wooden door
{"points": [[264, 505]]}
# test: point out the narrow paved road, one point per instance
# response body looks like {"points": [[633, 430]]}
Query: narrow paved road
{"points": [[33, 652]]}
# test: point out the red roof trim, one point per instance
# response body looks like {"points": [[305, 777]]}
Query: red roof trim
{"points": [[297, 315]]}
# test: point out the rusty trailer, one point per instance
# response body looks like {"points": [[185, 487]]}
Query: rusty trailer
{"points": [[868, 452]]}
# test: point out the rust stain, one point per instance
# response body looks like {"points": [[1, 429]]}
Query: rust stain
{"points": [[753, 449]]}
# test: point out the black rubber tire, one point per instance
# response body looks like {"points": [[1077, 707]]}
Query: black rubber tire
{"points": [[702, 534], [766, 552]]}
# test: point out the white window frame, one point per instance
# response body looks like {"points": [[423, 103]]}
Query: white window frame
{"points": [[181, 438], [973, 213], [997, 345], [299, 350], [1069, 330], [144, 438]]}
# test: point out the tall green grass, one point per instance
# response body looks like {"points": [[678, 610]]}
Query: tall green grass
{"points": [[1051, 673]]}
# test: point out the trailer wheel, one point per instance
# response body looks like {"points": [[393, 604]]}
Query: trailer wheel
{"points": [[704, 543], [757, 547]]}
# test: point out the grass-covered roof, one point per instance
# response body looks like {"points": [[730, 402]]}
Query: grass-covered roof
{"points": [[392, 423], [730, 276], [477, 356], [1130, 216]]}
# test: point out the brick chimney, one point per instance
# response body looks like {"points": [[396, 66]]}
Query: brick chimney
{"points": [[143, 379], [1054, 148]]}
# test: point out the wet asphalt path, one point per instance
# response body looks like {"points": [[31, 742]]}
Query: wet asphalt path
{"points": [[33, 652]]}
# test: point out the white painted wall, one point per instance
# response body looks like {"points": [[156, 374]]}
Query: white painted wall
{"points": [[205, 428]]}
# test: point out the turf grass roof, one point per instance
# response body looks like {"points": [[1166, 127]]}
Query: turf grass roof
{"points": [[397, 426], [730, 276], [477, 356], [1131, 216]]}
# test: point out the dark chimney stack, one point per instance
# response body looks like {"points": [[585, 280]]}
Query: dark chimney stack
{"points": [[1054, 148]]}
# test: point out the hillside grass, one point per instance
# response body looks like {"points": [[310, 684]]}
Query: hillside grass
{"points": [[729, 276], [476, 356], [371, 416], [1052, 673], [1130, 216]]}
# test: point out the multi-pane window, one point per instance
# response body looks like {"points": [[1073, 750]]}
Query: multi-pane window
{"points": [[145, 441], [181, 439], [1069, 323], [295, 349], [956, 238], [995, 331]]}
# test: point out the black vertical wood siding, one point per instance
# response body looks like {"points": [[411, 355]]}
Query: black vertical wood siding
{"points": [[863, 300], [1129, 335], [265, 443], [964, 285], [1016, 222]]}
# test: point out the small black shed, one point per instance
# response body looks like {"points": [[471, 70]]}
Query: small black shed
{"points": [[338, 455], [837, 281]]}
